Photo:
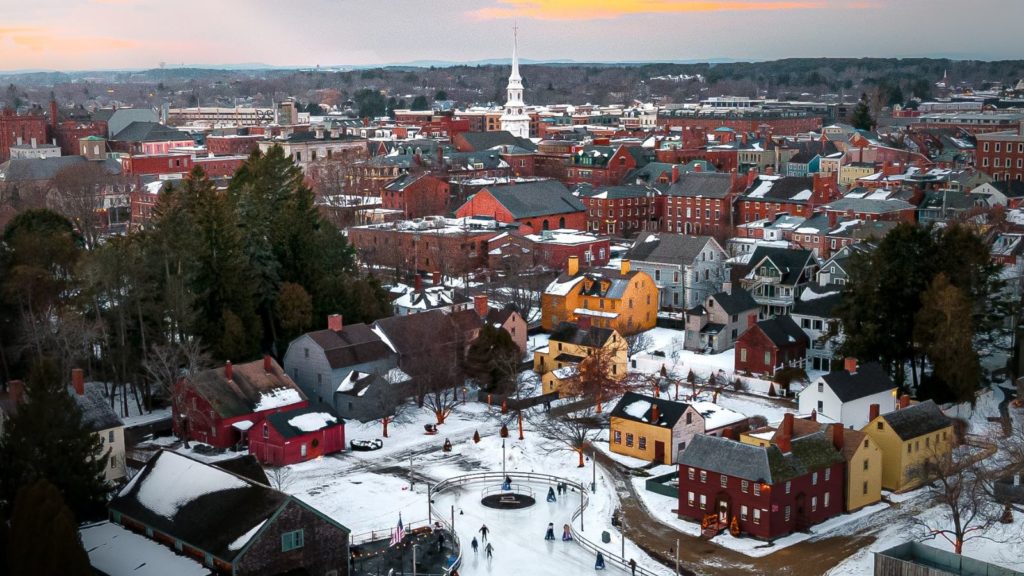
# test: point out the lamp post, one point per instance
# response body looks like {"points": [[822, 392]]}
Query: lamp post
{"points": [[502, 459], [593, 481], [415, 546], [581, 507]]}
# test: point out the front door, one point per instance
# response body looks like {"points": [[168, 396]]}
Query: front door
{"points": [[723, 511], [659, 451]]}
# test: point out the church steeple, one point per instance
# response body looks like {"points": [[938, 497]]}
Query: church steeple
{"points": [[515, 56], [515, 119]]}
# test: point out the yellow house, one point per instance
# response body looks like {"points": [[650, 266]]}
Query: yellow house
{"points": [[849, 173], [625, 300], [861, 453], [652, 429], [569, 345], [907, 438]]}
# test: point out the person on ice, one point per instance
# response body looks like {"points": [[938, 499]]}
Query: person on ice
{"points": [[483, 532], [551, 494], [489, 550], [474, 544], [508, 483], [566, 533], [550, 535], [599, 565]]}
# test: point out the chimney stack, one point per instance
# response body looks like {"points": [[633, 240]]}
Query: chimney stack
{"points": [[814, 415], [480, 305], [436, 277], [418, 283], [838, 439], [729, 433], [675, 173], [573, 267], [850, 365], [624, 266], [727, 288], [698, 167], [229, 373], [654, 413], [904, 401], [873, 412], [335, 323], [268, 366], [16, 391], [751, 176], [53, 115], [78, 381], [784, 435], [583, 322]]}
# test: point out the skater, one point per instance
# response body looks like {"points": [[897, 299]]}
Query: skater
{"points": [[599, 565], [566, 533], [551, 494], [550, 535], [489, 550], [632, 566], [474, 544], [483, 532], [508, 483], [440, 542]]}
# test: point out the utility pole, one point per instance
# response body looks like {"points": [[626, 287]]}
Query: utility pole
{"points": [[677, 557], [415, 546], [581, 507], [503, 460], [593, 482]]}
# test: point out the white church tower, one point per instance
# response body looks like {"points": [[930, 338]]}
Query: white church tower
{"points": [[515, 119]]}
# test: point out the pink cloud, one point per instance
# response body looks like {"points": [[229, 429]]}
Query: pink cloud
{"points": [[607, 9]]}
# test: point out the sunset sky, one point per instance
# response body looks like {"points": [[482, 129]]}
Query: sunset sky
{"points": [[106, 34]]}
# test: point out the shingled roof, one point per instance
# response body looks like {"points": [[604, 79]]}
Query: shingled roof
{"points": [[249, 386], [867, 380], [150, 132], [818, 301], [538, 198], [782, 331], [571, 333], [705, 184], [94, 405], [668, 248], [735, 301], [791, 262], [736, 459], [480, 141], [637, 408], [354, 344], [917, 420]]}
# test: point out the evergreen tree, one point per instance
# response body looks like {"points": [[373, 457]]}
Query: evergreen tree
{"points": [[47, 439], [294, 310], [945, 335], [43, 538], [861, 118], [492, 359], [440, 95], [420, 103]]}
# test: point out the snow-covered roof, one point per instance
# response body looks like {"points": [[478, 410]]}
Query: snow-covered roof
{"points": [[116, 550], [565, 372], [638, 409], [277, 398], [598, 313], [557, 288], [242, 540], [312, 421], [715, 416], [175, 481]]}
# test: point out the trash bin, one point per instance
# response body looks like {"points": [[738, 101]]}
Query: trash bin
{"points": [[606, 537]]}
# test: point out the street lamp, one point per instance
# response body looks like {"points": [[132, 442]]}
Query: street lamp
{"points": [[415, 546], [502, 459]]}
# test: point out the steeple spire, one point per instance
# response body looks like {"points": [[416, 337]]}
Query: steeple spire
{"points": [[515, 54], [514, 119]]}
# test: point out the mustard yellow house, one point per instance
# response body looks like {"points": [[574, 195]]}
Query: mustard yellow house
{"points": [[624, 300], [568, 345], [907, 438], [862, 455]]}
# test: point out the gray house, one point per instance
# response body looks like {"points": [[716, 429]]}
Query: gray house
{"points": [[814, 312], [834, 270], [714, 325], [686, 269], [775, 277], [323, 362]]}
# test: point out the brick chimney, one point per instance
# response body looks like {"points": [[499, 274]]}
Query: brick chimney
{"points": [[873, 412], [675, 173], [268, 365], [16, 391], [229, 372], [573, 265], [850, 365], [53, 115], [480, 305], [814, 415], [729, 433], [654, 413], [904, 401], [583, 322], [698, 167], [78, 381], [784, 435], [838, 439], [418, 283], [624, 266], [751, 177], [335, 323], [435, 277]]}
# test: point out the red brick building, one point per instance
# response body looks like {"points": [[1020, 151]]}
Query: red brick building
{"points": [[1001, 154], [16, 130], [602, 165], [448, 246], [217, 406], [552, 249], [771, 345], [233, 144], [534, 206], [764, 492], [416, 195], [155, 164], [779, 123], [701, 203], [219, 166], [621, 210], [768, 196], [68, 134], [295, 436]]}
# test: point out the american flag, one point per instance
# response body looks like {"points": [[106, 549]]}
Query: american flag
{"points": [[398, 534]]}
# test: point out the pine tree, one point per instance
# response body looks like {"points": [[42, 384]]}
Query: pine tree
{"points": [[43, 538], [944, 333], [47, 439], [861, 118], [492, 359]]}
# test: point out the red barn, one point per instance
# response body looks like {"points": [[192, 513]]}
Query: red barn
{"points": [[771, 345], [535, 206], [764, 492], [217, 406], [297, 436]]}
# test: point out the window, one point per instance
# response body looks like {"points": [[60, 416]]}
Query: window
{"points": [[724, 481], [744, 486], [629, 439], [743, 354], [306, 350], [879, 425], [909, 448], [821, 406], [266, 431], [767, 358], [291, 540], [689, 417], [788, 486], [643, 443], [788, 512], [703, 501], [917, 446], [814, 479], [319, 378], [865, 442], [302, 450], [866, 463], [618, 437], [757, 515], [113, 461], [864, 488], [689, 499], [814, 503], [110, 436], [689, 473], [757, 488], [821, 386], [826, 499], [703, 477], [828, 474]]}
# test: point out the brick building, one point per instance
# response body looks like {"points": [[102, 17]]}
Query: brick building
{"points": [[773, 121], [451, 246], [1001, 154], [534, 206], [770, 345], [551, 249], [621, 210], [233, 144], [767, 196], [701, 203], [416, 195], [16, 130], [602, 165]]}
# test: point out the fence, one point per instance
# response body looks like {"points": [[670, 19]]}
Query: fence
{"points": [[515, 488], [577, 532], [661, 485], [516, 403]]}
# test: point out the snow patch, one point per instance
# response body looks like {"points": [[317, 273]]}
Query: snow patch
{"points": [[242, 540], [312, 421], [175, 481], [277, 398], [638, 409]]}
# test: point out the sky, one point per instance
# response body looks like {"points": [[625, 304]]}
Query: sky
{"points": [[115, 34]]}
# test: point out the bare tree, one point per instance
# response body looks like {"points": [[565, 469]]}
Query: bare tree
{"points": [[167, 364], [280, 477], [603, 373], [77, 193], [637, 343], [443, 401], [571, 432], [393, 401]]}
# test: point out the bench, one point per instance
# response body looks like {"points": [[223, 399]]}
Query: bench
{"points": [[510, 499]]}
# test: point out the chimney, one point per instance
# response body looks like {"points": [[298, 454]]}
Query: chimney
{"points": [[873, 412], [814, 415], [229, 373], [769, 170], [480, 305], [16, 391], [573, 266], [698, 167], [435, 277], [78, 380], [335, 323], [784, 434], [53, 114], [837, 437], [440, 157], [729, 433], [624, 267], [904, 401], [751, 176], [733, 179], [268, 366], [850, 365], [419, 283], [675, 173], [583, 322], [727, 288], [654, 413]]}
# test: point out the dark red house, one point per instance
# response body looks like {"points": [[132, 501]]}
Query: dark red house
{"points": [[534, 206], [219, 405], [771, 345], [764, 492], [297, 436], [416, 195]]}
